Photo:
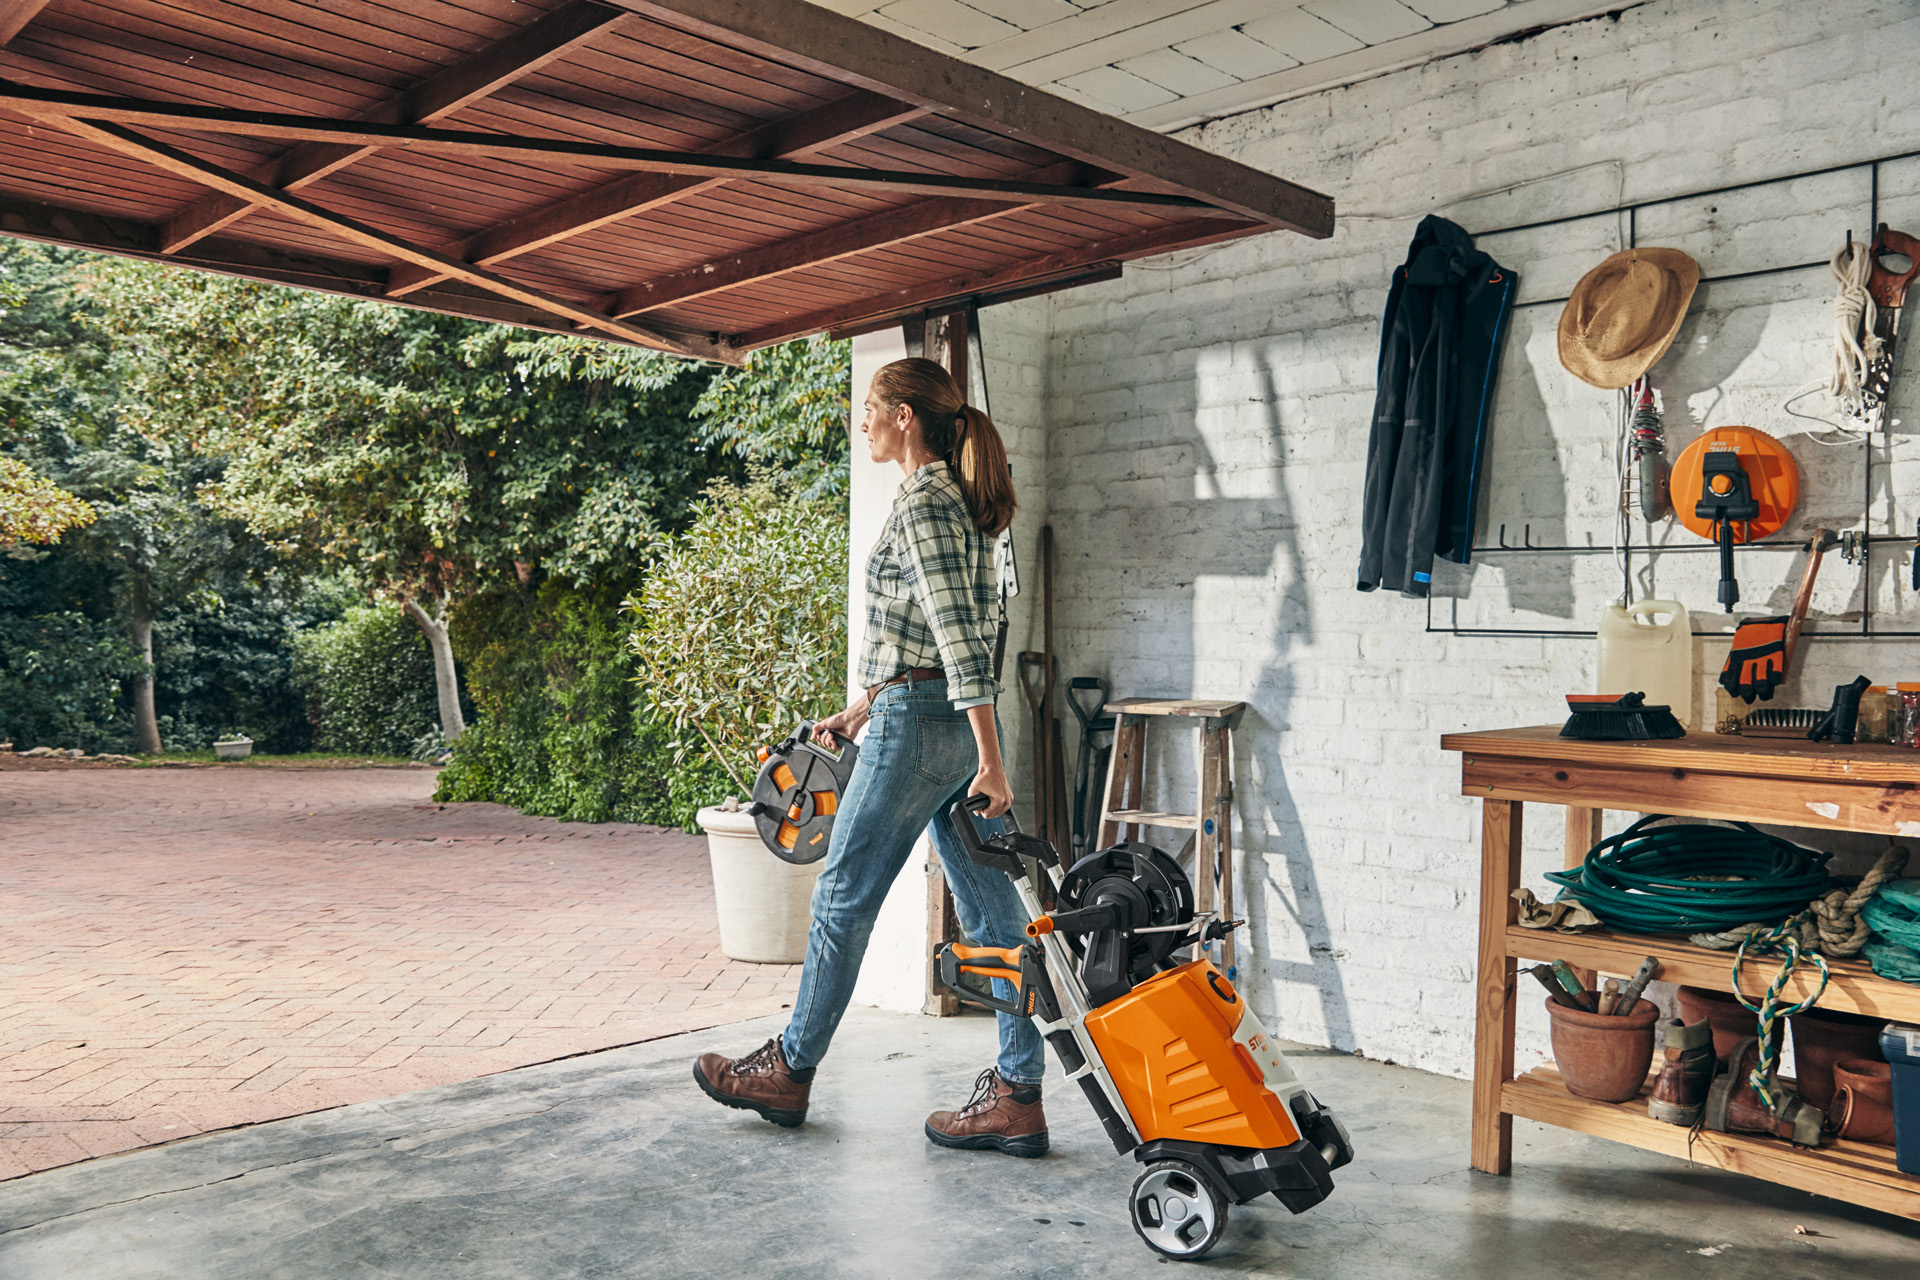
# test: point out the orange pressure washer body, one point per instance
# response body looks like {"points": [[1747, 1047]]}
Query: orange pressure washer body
{"points": [[1191, 1065]]}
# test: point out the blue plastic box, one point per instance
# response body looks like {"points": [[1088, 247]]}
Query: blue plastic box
{"points": [[1901, 1043]]}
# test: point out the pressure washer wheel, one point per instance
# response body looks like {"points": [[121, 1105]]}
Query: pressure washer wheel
{"points": [[1176, 1210]]}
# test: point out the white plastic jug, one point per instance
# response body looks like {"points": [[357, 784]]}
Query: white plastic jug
{"points": [[1638, 652]]}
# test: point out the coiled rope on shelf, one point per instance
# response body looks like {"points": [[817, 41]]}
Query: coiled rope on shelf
{"points": [[1833, 924], [1694, 878]]}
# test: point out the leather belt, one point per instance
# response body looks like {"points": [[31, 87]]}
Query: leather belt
{"points": [[909, 676]]}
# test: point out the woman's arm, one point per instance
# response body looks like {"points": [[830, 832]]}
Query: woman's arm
{"points": [[992, 778], [841, 726]]}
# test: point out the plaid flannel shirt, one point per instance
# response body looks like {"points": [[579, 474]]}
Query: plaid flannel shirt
{"points": [[931, 589]]}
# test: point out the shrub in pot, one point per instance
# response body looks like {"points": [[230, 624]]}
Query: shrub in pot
{"points": [[233, 746], [740, 632]]}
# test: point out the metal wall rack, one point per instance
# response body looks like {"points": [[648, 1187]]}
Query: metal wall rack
{"points": [[1527, 546]]}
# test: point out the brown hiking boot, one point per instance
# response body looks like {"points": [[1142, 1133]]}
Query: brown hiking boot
{"points": [[1734, 1107], [762, 1081], [1680, 1092], [999, 1117]]}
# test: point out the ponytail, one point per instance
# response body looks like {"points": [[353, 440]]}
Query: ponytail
{"points": [[961, 435]]}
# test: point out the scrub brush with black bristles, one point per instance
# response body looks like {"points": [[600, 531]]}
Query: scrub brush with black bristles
{"points": [[1603, 717]]}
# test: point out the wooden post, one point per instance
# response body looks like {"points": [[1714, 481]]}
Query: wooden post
{"points": [[1500, 828], [943, 926], [1219, 804], [1583, 832]]}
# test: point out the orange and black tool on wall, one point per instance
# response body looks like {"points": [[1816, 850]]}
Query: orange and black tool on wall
{"points": [[1734, 485], [797, 793], [1180, 1072]]}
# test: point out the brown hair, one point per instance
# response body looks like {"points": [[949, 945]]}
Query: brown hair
{"points": [[956, 432]]}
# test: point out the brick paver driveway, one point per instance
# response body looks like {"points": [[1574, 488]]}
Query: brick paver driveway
{"points": [[188, 949]]}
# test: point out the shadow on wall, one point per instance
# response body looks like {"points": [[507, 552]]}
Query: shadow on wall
{"points": [[1196, 542]]}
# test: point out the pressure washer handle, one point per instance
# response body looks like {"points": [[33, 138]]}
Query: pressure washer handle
{"points": [[1729, 586]]}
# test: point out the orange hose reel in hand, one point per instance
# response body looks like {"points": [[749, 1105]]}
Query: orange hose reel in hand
{"points": [[1734, 485]]}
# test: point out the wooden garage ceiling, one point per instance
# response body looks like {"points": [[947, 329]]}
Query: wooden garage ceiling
{"points": [[697, 176]]}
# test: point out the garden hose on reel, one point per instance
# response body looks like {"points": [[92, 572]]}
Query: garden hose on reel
{"points": [[797, 792]]}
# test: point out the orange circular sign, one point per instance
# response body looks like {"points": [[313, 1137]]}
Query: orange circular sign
{"points": [[1771, 473]]}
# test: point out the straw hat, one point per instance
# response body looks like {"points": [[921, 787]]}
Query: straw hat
{"points": [[1622, 316]]}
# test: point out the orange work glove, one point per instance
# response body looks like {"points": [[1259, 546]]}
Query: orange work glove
{"points": [[1758, 660]]}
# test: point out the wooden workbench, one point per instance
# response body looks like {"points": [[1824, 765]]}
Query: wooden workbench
{"points": [[1704, 775]]}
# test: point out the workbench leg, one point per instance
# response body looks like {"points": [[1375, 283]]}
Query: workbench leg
{"points": [[1493, 1018], [1583, 832]]}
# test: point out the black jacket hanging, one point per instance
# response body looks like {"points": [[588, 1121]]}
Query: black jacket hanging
{"points": [[1439, 352]]}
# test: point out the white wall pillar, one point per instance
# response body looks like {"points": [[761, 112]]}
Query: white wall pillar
{"points": [[893, 975]]}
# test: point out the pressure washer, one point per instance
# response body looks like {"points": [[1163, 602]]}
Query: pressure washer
{"points": [[1178, 1069]]}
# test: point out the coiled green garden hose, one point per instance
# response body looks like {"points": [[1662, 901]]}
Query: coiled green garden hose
{"points": [[1694, 878]]}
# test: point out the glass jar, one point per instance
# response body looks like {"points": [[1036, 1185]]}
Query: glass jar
{"points": [[1907, 728], [1879, 714]]}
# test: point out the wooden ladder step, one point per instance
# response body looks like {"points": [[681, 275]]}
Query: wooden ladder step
{"points": [[1152, 818]]}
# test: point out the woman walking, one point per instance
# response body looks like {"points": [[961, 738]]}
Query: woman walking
{"points": [[932, 739]]}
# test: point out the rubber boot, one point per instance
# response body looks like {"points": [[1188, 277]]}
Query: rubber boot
{"points": [[1680, 1092], [1734, 1107]]}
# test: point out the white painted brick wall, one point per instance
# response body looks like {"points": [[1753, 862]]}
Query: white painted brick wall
{"points": [[1206, 426]]}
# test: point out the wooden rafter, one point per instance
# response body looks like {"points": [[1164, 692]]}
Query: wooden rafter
{"points": [[174, 160], [500, 63], [876, 231], [16, 14], [956, 292], [65, 107], [832, 124], [128, 238], [803, 35]]}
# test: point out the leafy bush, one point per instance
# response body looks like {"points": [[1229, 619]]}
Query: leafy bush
{"points": [[368, 679], [560, 729], [60, 681], [741, 627]]}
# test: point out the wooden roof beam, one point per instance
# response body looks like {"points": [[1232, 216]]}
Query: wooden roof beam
{"points": [[876, 231], [16, 14], [127, 238], [175, 161], [501, 63], [805, 36], [71, 109], [958, 291], [829, 125]]}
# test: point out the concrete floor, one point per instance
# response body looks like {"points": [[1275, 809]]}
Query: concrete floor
{"points": [[613, 1164]]}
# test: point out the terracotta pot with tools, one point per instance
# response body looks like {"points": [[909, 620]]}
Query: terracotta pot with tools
{"points": [[1823, 1037], [1732, 1021], [1863, 1101], [1604, 1056]]}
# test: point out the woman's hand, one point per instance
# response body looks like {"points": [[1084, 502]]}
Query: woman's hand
{"points": [[841, 726], [992, 783]]}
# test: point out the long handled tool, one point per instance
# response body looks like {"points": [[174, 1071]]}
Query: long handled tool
{"points": [[1818, 545], [1091, 760], [1055, 826]]}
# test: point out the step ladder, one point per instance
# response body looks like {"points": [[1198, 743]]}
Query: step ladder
{"points": [[1124, 814]]}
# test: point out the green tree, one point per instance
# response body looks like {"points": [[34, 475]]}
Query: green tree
{"points": [[786, 411], [424, 453], [34, 508]]}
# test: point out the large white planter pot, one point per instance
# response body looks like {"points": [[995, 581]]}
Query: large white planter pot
{"points": [[763, 901]]}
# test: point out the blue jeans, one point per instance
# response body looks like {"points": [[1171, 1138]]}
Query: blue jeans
{"points": [[917, 760]]}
